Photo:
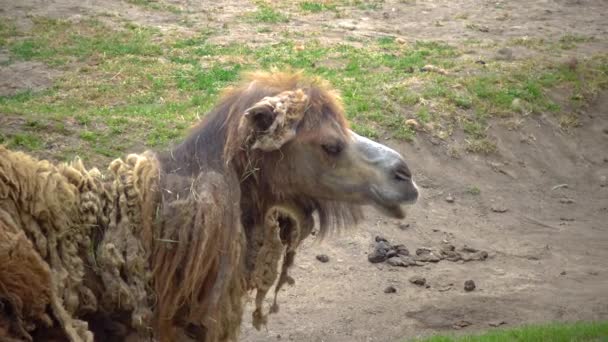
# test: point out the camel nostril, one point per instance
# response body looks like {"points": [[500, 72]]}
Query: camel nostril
{"points": [[402, 172]]}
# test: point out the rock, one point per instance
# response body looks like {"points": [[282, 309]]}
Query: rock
{"points": [[451, 256], [390, 289], [559, 186], [391, 253], [401, 250], [417, 280], [432, 68], [447, 247], [450, 199], [603, 181], [379, 254], [461, 324], [468, 249], [404, 226], [422, 250], [400, 41], [469, 285], [446, 287], [397, 262], [479, 256], [499, 209], [496, 323], [563, 273], [380, 239], [411, 123], [323, 258], [426, 255], [480, 62], [566, 200]]}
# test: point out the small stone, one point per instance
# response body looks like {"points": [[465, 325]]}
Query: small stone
{"points": [[566, 200], [401, 250], [380, 238], [450, 199], [563, 273], [480, 62], [397, 262], [432, 68], [516, 105], [385, 15], [469, 285], [412, 124], [496, 323], [417, 280], [323, 258], [499, 209], [390, 289], [400, 41], [468, 249], [445, 288], [404, 226], [461, 324], [447, 247], [603, 181]]}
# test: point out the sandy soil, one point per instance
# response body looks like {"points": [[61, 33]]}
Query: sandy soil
{"points": [[548, 251]]}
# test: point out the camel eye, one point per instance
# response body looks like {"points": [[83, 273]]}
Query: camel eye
{"points": [[333, 149]]}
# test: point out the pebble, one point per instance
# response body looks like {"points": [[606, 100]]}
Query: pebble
{"points": [[603, 181], [469, 285], [417, 280], [566, 201], [390, 289], [323, 258], [450, 199], [499, 209], [404, 226], [412, 124]]}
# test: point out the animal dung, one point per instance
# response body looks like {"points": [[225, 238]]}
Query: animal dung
{"points": [[469, 285], [322, 258]]}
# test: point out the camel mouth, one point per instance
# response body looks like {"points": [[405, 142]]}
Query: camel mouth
{"points": [[391, 208]]}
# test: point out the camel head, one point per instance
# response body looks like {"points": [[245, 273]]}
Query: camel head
{"points": [[299, 132]]}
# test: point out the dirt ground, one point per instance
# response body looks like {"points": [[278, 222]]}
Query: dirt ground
{"points": [[548, 252]]}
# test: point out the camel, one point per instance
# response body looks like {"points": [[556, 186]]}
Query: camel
{"points": [[169, 245]]}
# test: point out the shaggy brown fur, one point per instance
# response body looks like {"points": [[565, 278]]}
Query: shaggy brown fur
{"points": [[168, 245]]}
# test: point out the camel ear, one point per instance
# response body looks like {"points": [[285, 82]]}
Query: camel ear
{"points": [[261, 116], [272, 121]]}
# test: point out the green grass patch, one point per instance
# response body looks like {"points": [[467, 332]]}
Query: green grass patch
{"points": [[555, 332], [138, 87], [310, 6], [57, 42], [25, 140], [156, 5], [266, 14]]}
